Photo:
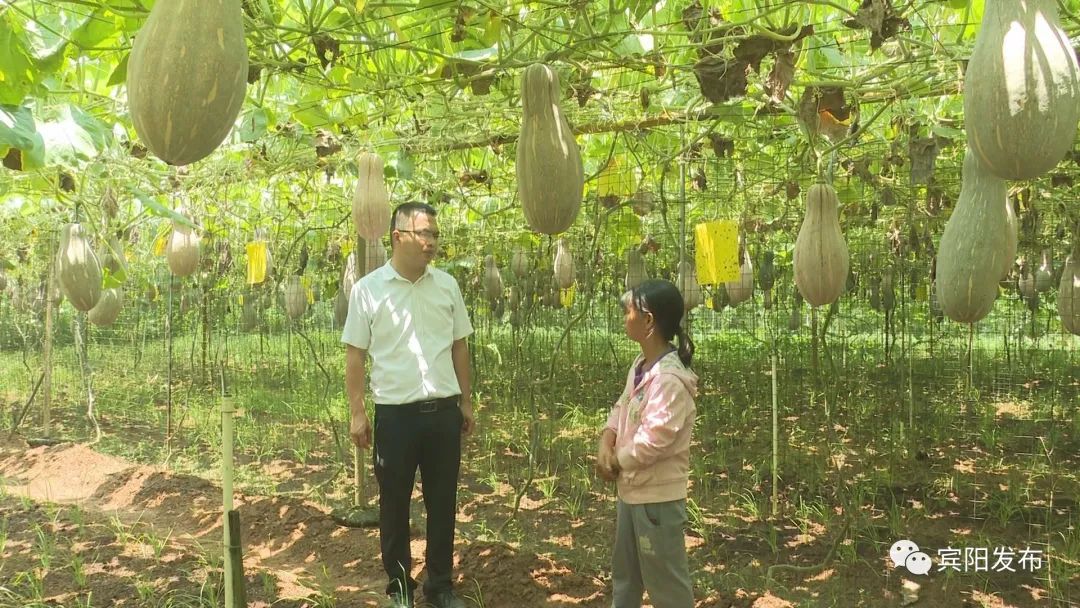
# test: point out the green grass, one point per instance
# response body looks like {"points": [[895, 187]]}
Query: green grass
{"points": [[852, 438]]}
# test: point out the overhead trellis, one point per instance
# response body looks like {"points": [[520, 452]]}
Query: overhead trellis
{"points": [[421, 81]]}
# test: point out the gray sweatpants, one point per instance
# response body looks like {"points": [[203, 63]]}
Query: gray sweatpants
{"points": [[650, 555]]}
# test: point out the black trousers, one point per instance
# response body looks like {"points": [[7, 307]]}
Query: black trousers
{"points": [[427, 437]]}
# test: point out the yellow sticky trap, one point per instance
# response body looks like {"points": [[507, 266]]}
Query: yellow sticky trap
{"points": [[161, 242], [256, 262], [566, 296], [306, 282], [921, 293], [240, 299], [717, 257]]}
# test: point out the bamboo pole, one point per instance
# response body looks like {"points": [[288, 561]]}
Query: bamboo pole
{"points": [[227, 413], [46, 382], [235, 561]]}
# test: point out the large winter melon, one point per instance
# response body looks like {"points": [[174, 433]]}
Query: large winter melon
{"points": [[371, 202], [1068, 299], [78, 271], [186, 77], [550, 175], [821, 254], [970, 255], [1021, 89], [105, 312]]}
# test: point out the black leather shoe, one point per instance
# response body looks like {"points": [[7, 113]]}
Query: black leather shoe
{"points": [[446, 599]]}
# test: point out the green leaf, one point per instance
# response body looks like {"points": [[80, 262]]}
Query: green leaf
{"points": [[492, 29], [311, 111], [17, 130], [119, 74], [479, 55], [99, 26], [156, 208], [624, 229], [100, 134], [401, 166], [435, 4], [253, 125], [16, 66], [634, 45], [75, 135], [640, 8], [947, 132], [52, 60], [110, 279]]}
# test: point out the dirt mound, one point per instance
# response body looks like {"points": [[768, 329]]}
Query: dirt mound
{"points": [[62, 473], [507, 577]]}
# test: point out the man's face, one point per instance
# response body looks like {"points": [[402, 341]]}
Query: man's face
{"points": [[418, 238]]}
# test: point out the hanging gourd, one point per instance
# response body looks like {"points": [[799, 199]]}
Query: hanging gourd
{"points": [[564, 265], [741, 289], [1025, 283], [1012, 239], [688, 285], [1033, 302], [107, 309], [1068, 298], [719, 298], [371, 202], [635, 268], [350, 275], [970, 254], [341, 309], [182, 252], [795, 320], [187, 77], [888, 292], [1021, 89], [1044, 278], [295, 297], [249, 316], [77, 269], [551, 297], [550, 176], [515, 298], [374, 255], [113, 257], [767, 276], [493, 283], [519, 263], [821, 255], [875, 294]]}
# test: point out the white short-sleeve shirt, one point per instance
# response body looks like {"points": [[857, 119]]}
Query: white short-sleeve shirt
{"points": [[408, 329]]}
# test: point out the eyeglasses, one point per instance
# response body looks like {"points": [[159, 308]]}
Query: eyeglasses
{"points": [[427, 235]]}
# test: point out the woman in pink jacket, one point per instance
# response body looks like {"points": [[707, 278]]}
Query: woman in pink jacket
{"points": [[645, 446]]}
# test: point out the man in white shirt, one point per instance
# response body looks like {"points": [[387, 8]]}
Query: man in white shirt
{"points": [[412, 320]]}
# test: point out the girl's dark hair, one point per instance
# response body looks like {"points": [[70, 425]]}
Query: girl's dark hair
{"points": [[663, 300]]}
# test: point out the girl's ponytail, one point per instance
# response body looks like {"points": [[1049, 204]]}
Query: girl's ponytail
{"points": [[686, 346]]}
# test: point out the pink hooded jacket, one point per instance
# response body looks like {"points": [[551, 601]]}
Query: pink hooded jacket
{"points": [[653, 423]]}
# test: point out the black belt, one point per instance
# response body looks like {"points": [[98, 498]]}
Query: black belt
{"points": [[421, 407]]}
